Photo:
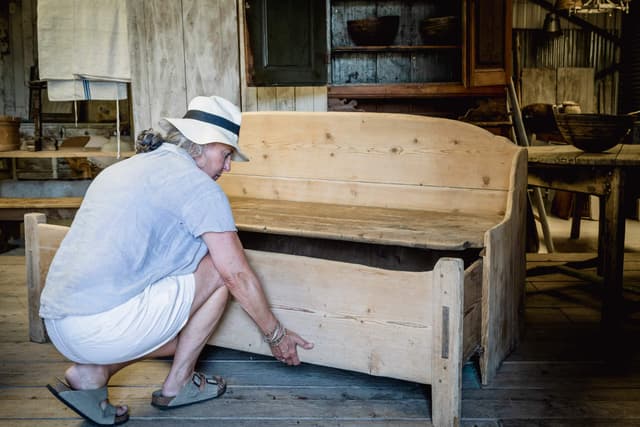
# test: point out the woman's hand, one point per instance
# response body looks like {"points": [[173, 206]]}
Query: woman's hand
{"points": [[286, 351]]}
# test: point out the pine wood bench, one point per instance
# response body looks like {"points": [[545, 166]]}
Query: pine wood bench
{"points": [[394, 242]]}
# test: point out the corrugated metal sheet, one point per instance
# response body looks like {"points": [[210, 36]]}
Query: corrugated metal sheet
{"points": [[528, 15], [634, 58], [574, 47]]}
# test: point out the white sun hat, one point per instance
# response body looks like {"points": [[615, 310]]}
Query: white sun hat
{"points": [[210, 119]]}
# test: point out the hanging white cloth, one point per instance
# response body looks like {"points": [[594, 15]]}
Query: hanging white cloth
{"points": [[83, 49]]}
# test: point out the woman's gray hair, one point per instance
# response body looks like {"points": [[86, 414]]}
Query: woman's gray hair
{"points": [[149, 140]]}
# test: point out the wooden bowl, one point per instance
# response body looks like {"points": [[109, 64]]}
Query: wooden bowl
{"points": [[379, 31], [440, 30], [593, 133]]}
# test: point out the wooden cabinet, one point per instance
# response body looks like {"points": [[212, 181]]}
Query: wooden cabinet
{"points": [[286, 42], [475, 61]]}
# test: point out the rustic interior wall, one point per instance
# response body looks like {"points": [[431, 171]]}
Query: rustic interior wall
{"points": [[555, 86], [573, 48], [196, 47], [180, 50], [17, 55]]}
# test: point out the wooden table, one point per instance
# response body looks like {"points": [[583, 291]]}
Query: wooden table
{"points": [[610, 176]]}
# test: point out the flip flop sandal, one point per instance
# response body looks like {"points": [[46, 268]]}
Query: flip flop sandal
{"points": [[88, 404], [199, 389]]}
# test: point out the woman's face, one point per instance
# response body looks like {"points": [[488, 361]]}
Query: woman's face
{"points": [[215, 159]]}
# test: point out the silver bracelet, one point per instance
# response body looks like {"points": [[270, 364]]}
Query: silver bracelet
{"points": [[279, 339], [276, 336]]}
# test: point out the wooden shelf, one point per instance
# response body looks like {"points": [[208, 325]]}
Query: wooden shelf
{"points": [[62, 153], [374, 49], [412, 90]]}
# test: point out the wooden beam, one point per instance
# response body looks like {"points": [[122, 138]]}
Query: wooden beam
{"points": [[578, 179], [412, 90]]}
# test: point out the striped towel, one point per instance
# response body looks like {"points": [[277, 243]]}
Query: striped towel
{"points": [[83, 49], [69, 90]]}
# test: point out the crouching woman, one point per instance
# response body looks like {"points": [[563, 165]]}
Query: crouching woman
{"points": [[148, 265]]}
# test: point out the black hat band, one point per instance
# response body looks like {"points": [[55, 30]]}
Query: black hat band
{"points": [[213, 119]]}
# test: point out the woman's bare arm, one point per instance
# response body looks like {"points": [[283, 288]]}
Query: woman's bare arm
{"points": [[229, 259]]}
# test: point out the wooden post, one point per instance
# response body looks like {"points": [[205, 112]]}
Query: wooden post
{"points": [[446, 360], [37, 332], [613, 262]]}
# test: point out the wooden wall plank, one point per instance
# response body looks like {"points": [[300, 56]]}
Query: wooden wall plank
{"points": [[352, 68], [29, 8], [320, 99], [211, 48], [393, 68], [30, 55], [337, 25], [250, 99], [285, 98], [17, 54], [140, 63], [248, 95], [267, 99], [4, 60], [7, 63], [577, 84], [166, 72], [538, 86], [304, 98]]}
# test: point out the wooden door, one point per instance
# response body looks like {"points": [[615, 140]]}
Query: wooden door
{"points": [[489, 42]]}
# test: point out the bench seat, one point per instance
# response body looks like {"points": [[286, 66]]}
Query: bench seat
{"points": [[384, 226], [14, 208]]}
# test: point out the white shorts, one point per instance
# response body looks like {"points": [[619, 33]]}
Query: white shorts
{"points": [[129, 331]]}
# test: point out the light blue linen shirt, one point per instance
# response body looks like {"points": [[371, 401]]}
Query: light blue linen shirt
{"points": [[141, 220]]}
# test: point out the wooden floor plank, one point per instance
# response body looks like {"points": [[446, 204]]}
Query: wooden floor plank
{"points": [[233, 422], [555, 377]]}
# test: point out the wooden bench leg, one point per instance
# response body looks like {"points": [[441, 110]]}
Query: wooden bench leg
{"points": [[446, 403], [35, 283]]}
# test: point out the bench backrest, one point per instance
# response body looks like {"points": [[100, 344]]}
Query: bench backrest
{"points": [[374, 159]]}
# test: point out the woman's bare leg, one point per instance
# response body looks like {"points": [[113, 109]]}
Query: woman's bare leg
{"points": [[208, 305]]}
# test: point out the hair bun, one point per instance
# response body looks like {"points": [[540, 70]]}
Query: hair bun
{"points": [[148, 140]]}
